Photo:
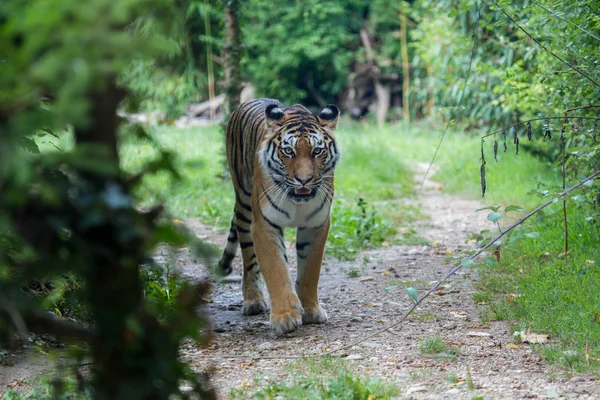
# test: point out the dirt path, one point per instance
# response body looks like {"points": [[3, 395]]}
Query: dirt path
{"points": [[245, 348], [358, 306]]}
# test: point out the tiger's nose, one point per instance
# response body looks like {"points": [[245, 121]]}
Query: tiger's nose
{"points": [[304, 180]]}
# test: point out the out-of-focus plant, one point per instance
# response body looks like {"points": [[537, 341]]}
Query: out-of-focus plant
{"points": [[72, 213]]}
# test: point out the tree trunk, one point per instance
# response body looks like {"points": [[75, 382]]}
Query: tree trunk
{"points": [[209, 65], [405, 69], [231, 58], [383, 101]]}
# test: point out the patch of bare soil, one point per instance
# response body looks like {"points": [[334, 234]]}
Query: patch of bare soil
{"points": [[245, 347]]}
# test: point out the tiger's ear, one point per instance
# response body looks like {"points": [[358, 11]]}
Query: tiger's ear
{"points": [[329, 116], [274, 114]]}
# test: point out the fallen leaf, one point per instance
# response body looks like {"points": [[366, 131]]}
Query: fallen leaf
{"points": [[385, 244], [247, 364], [478, 334], [459, 314], [177, 222], [513, 346], [510, 298], [596, 317], [528, 337], [589, 263], [478, 325], [497, 254], [366, 278], [14, 384]]}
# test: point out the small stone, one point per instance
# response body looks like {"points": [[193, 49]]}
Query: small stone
{"points": [[449, 326], [478, 334], [453, 391], [416, 389], [371, 345], [266, 346], [354, 357], [366, 278], [230, 279], [392, 303], [356, 319]]}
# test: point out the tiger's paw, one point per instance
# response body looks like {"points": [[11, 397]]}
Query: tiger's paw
{"points": [[254, 307], [314, 315], [287, 321]]}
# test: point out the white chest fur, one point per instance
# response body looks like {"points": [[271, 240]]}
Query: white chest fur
{"points": [[287, 213]]}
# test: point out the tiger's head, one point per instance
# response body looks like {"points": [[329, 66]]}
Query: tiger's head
{"points": [[300, 151]]}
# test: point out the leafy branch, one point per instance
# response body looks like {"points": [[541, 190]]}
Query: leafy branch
{"points": [[465, 263], [579, 71]]}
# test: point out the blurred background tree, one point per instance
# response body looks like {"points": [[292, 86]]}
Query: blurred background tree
{"points": [[70, 215]]}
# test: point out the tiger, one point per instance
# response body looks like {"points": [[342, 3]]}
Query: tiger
{"points": [[282, 162]]}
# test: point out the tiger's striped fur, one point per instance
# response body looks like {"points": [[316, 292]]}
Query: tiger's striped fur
{"points": [[282, 162]]}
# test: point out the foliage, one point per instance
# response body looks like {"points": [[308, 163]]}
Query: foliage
{"points": [[542, 289], [49, 390], [368, 171], [355, 227], [171, 80], [72, 213], [344, 386], [307, 51], [432, 345]]}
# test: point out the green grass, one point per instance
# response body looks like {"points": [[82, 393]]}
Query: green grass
{"points": [[537, 288], [318, 378], [46, 389], [438, 348], [204, 190], [369, 178], [458, 164], [529, 288], [432, 345]]}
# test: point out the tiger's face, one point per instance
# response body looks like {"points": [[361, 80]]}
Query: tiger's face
{"points": [[301, 152]]}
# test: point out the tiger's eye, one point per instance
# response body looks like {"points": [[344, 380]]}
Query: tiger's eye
{"points": [[317, 152]]}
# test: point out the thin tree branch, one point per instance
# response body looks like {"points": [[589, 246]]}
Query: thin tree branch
{"points": [[538, 119], [459, 266], [453, 271], [544, 47], [566, 20]]}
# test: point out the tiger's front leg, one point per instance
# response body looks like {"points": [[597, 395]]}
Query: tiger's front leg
{"points": [[310, 246], [286, 309]]}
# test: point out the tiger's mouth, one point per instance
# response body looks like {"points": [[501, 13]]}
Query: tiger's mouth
{"points": [[302, 193]]}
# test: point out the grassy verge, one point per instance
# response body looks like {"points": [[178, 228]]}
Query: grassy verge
{"points": [[534, 286], [368, 180], [317, 378]]}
